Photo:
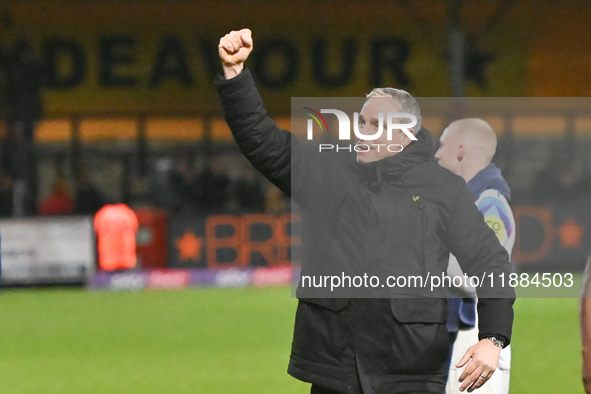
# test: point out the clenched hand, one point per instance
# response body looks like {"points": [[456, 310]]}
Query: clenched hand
{"points": [[234, 49]]}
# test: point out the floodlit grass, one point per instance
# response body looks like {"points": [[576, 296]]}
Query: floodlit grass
{"points": [[214, 341], [546, 355], [189, 341]]}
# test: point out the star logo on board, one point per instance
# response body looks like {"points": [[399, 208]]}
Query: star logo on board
{"points": [[476, 62], [570, 234], [189, 246]]}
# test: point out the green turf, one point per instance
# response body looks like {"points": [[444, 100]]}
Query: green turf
{"points": [[190, 341], [215, 341], [546, 355]]}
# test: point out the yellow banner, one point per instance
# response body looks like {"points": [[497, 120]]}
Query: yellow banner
{"points": [[159, 57]]}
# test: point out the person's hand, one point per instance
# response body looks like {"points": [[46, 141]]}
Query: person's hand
{"points": [[481, 360], [586, 366], [587, 380], [585, 319], [234, 49]]}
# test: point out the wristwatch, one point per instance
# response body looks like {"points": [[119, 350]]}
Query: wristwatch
{"points": [[497, 341]]}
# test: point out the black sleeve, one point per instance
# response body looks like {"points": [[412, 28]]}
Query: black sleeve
{"points": [[480, 254], [278, 154]]}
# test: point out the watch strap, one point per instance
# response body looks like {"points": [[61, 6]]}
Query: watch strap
{"points": [[498, 342]]}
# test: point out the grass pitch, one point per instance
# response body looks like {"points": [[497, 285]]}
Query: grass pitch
{"points": [[215, 341]]}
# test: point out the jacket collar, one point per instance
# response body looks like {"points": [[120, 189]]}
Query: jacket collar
{"points": [[489, 178], [393, 167]]}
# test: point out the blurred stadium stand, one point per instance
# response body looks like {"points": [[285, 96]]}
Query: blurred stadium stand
{"points": [[129, 101]]}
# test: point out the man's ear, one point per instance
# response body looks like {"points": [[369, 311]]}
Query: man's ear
{"points": [[461, 152], [406, 140]]}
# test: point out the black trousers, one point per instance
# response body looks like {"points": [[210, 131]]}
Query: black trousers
{"points": [[322, 390], [316, 389]]}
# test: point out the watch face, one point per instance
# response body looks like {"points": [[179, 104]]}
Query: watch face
{"points": [[498, 342]]}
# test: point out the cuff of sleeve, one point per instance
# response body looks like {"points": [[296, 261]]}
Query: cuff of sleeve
{"points": [[501, 337], [232, 85]]}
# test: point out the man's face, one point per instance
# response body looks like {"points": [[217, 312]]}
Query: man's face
{"points": [[448, 155], [369, 125]]}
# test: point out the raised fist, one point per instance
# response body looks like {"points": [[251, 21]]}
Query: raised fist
{"points": [[234, 48]]}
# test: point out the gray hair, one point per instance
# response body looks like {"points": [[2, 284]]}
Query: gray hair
{"points": [[406, 102]]}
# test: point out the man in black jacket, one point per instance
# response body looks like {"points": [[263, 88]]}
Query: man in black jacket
{"points": [[395, 211]]}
